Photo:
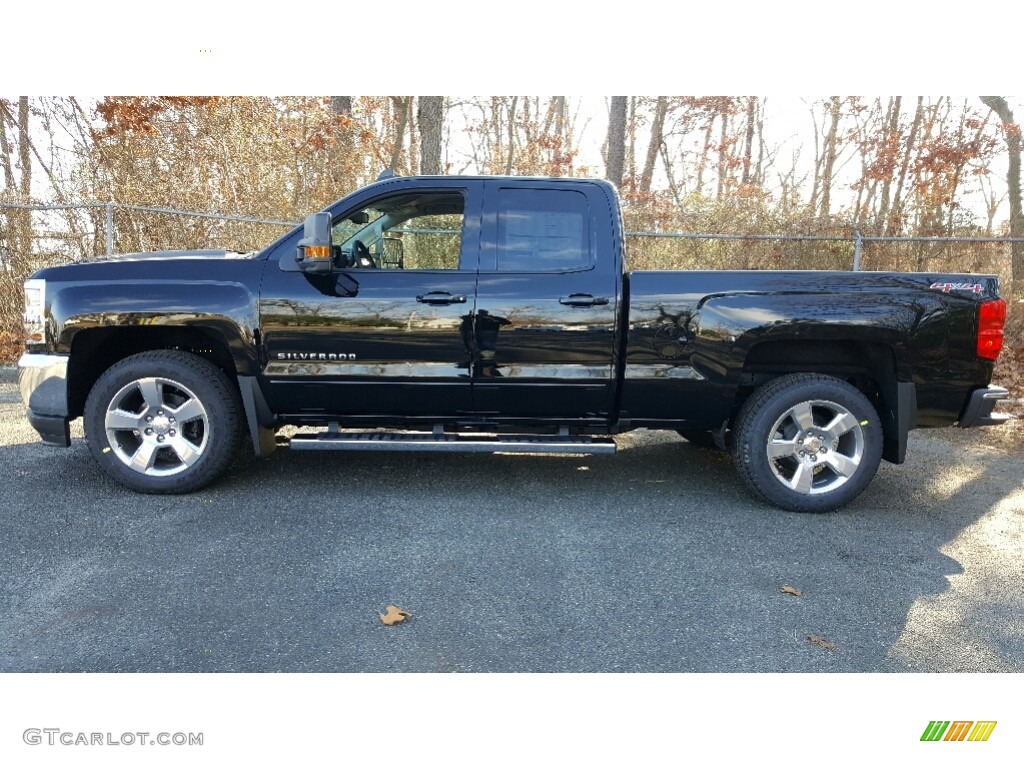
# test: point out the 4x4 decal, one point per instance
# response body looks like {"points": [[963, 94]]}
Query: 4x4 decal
{"points": [[947, 287]]}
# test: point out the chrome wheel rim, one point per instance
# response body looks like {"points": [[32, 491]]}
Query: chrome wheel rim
{"points": [[815, 447], [156, 426]]}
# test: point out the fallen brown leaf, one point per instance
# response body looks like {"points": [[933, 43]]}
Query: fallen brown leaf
{"points": [[788, 590], [822, 642], [394, 615]]}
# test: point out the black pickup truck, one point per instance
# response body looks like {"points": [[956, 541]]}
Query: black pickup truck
{"points": [[497, 314]]}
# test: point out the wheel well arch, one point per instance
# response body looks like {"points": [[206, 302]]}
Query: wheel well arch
{"points": [[842, 359], [94, 350], [872, 367]]}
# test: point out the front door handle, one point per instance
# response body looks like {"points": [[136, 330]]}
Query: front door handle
{"points": [[439, 298], [582, 300]]}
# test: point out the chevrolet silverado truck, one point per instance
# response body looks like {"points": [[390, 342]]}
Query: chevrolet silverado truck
{"points": [[497, 314]]}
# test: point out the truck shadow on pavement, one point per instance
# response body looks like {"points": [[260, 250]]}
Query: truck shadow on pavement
{"points": [[654, 560]]}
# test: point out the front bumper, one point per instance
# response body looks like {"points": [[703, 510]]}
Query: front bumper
{"points": [[43, 380], [978, 411]]}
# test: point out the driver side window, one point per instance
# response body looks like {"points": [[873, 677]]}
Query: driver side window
{"points": [[412, 230]]}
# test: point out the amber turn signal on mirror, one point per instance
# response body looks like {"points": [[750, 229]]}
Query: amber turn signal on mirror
{"points": [[318, 251]]}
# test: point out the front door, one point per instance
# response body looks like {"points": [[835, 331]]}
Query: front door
{"points": [[390, 330]]}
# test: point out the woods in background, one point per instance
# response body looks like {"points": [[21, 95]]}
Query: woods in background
{"points": [[885, 166]]}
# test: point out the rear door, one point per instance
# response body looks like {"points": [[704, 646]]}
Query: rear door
{"points": [[547, 301]]}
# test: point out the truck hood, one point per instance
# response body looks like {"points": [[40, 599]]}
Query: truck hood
{"points": [[207, 253], [158, 264], [177, 266]]}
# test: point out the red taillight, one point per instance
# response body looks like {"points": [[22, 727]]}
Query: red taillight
{"points": [[991, 320]]}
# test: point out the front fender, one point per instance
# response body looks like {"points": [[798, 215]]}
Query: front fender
{"points": [[227, 310]]}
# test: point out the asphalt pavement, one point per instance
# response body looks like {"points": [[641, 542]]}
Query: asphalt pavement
{"points": [[654, 560]]}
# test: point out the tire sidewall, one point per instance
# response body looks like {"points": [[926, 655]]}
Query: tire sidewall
{"points": [[201, 379], [755, 432]]}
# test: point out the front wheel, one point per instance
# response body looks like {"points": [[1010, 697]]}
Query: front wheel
{"points": [[807, 442], [163, 422]]}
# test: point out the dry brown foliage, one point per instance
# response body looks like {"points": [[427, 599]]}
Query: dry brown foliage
{"points": [[1009, 371], [394, 615], [821, 642], [11, 346]]}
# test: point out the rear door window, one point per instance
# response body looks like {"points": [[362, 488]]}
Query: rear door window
{"points": [[542, 230]]}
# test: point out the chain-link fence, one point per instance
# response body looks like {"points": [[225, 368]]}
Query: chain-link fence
{"points": [[66, 232], [678, 250], [62, 233]]}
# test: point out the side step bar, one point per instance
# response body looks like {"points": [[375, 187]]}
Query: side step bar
{"points": [[426, 441]]}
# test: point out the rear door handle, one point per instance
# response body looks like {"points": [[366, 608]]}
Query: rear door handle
{"points": [[582, 300], [438, 298]]}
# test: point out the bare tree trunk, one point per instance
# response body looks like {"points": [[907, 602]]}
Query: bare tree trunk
{"points": [[616, 140], [549, 116], [897, 202], [560, 116], [529, 127], [431, 120], [412, 159], [830, 158], [703, 161], [923, 207], [1011, 132], [341, 105], [673, 187], [496, 149], [401, 109], [790, 197], [722, 154], [818, 160], [554, 123], [5, 150], [759, 174], [8, 230], [748, 145], [889, 150], [511, 136], [629, 165], [341, 154], [24, 157], [991, 208], [657, 128], [25, 161]]}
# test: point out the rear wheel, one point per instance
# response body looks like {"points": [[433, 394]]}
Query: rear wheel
{"points": [[163, 422], [808, 442]]}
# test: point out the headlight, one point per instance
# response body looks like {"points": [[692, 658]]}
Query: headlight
{"points": [[35, 310]]}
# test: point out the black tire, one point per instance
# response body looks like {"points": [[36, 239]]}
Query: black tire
{"points": [[181, 400], [702, 438], [824, 437]]}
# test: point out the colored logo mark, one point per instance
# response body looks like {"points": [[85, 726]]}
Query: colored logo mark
{"points": [[958, 730]]}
